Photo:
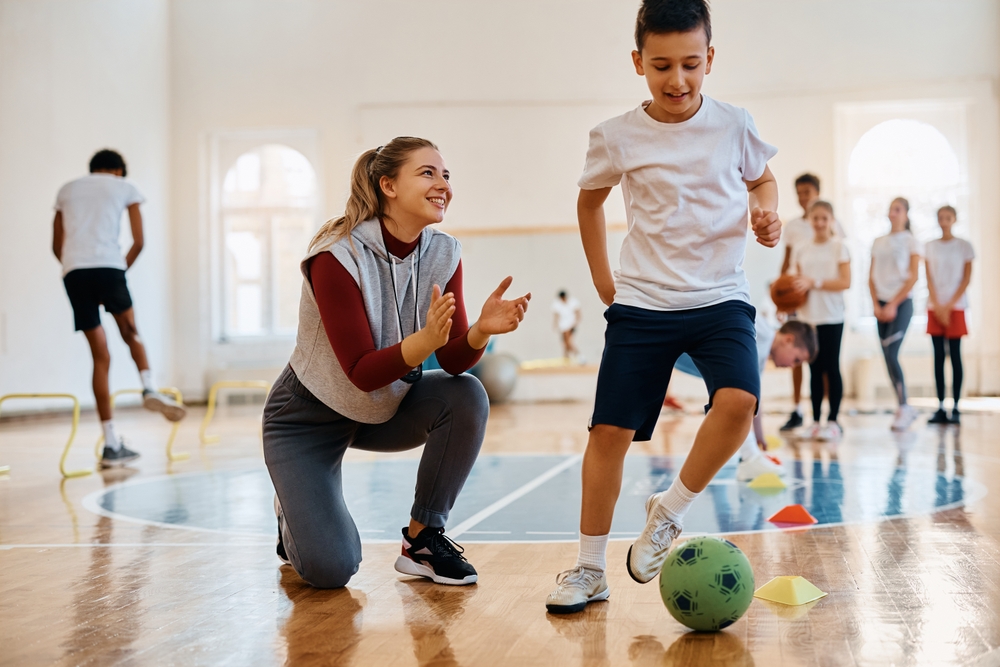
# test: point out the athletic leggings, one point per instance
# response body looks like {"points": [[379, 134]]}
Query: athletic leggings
{"points": [[955, 352], [304, 446], [891, 334], [827, 362]]}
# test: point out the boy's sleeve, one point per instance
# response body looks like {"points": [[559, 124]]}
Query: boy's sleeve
{"points": [[60, 199], [756, 151], [132, 195], [599, 171]]}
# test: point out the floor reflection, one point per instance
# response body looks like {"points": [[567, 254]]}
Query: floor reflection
{"points": [[589, 630], [324, 626], [691, 648], [429, 611]]}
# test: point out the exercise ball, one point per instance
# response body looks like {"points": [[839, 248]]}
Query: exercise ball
{"points": [[498, 373]]}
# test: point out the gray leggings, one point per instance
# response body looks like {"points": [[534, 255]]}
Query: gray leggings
{"points": [[304, 446], [891, 334]]}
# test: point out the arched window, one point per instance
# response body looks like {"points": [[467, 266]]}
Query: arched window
{"points": [[898, 158], [268, 214]]}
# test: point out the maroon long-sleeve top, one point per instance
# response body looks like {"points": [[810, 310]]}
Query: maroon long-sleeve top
{"points": [[342, 309]]}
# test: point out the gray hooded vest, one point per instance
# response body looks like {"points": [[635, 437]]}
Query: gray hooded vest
{"points": [[364, 256]]}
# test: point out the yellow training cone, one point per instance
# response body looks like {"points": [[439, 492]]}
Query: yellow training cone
{"points": [[768, 480], [789, 590], [773, 442]]}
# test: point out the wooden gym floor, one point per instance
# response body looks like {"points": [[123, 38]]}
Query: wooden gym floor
{"points": [[87, 577]]}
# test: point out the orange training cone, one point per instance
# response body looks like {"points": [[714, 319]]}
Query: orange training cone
{"points": [[792, 514]]}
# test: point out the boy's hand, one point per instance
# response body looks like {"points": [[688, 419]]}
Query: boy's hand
{"points": [[606, 290], [766, 227]]}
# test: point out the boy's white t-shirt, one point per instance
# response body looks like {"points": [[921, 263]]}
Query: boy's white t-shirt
{"points": [[821, 261], [891, 262], [566, 310], [686, 197], [946, 261], [92, 208]]}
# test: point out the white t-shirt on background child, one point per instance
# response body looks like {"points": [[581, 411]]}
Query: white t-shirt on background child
{"points": [[821, 261], [798, 231], [891, 262], [686, 200], [92, 208], [947, 260], [566, 312]]}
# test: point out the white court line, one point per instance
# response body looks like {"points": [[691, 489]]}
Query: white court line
{"points": [[550, 532], [514, 495], [487, 532], [130, 545]]}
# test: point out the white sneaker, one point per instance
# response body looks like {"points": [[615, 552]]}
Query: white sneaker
{"points": [[646, 555], [757, 466], [830, 433], [904, 417], [157, 402], [575, 589], [811, 432]]}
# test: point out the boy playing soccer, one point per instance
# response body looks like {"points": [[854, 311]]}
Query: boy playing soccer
{"points": [[686, 163], [85, 240]]}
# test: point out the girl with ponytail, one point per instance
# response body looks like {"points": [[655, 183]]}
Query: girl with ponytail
{"points": [[382, 291], [894, 270]]}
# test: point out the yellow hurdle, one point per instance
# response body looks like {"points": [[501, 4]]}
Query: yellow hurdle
{"points": [[72, 433], [170, 391], [213, 392]]}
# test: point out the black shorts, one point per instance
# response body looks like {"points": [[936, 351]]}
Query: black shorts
{"points": [[641, 346], [88, 289]]}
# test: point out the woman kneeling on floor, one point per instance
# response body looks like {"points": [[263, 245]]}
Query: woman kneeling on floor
{"points": [[372, 310]]}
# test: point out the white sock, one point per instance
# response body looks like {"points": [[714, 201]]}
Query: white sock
{"points": [[593, 552], [749, 449], [677, 499], [110, 437], [798, 409], [147, 380], [941, 405]]}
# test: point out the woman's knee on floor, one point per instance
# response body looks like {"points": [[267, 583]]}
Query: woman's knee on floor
{"points": [[332, 569]]}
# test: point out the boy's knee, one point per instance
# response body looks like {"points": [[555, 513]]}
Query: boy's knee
{"points": [[102, 357], [737, 403]]}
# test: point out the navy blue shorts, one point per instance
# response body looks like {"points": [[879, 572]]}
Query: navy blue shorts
{"points": [[89, 289], [641, 347]]}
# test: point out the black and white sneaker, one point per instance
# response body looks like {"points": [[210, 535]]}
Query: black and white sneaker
{"points": [[436, 556], [794, 421], [168, 407], [939, 417], [956, 417], [116, 458], [279, 548]]}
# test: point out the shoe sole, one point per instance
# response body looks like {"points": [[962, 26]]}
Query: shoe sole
{"points": [[173, 413], [118, 463], [580, 606], [405, 565]]}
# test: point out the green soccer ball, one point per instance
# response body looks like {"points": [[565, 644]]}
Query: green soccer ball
{"points": [[706, 583]]}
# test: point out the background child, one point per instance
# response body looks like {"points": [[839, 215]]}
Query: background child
{"points": [[85, 240], [794, 233], [687, 162], [566, 317], [949, 269], [894, 271], [824, 269]]}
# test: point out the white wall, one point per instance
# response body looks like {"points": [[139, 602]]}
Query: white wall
{"points": [[507, 90], [76, 77]]}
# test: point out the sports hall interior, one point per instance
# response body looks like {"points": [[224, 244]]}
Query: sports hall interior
{"points": [[171, 561]]}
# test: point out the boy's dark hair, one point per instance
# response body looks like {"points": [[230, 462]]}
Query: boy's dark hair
{"points": [[107, 160], [808, 179], [804, 334], [562, 294], [664, 16]]}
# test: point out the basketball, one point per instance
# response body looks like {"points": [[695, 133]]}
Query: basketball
{"points": [[706, 583], [785, 296]]}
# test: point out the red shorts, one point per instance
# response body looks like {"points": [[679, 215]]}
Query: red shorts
{"points": [[956, 325]]}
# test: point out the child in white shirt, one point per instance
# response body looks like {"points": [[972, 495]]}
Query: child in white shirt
{"points": [[949, 270], [85, 241], [686, 163], [823, 267], [894, 271]]}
